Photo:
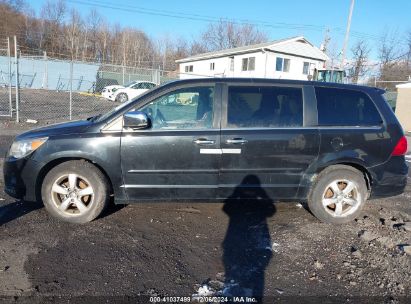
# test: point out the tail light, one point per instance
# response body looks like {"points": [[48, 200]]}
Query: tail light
{"points": [[400, 148]]}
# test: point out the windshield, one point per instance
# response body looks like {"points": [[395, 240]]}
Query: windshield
{"points": [[330, 76], [101, 117], [129, 84]]}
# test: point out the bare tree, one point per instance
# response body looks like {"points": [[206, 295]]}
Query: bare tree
{"points": [[333, 52], [53, 13], [226, 34], [197, 47], [408, 47], [94, 21], [168, 50], [388, 49], [73, 31], [393, 59], [16, 5], [104, 37], [360, 52]]}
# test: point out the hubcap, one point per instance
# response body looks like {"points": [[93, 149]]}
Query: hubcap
{"points": [[341, 198], [123, 97], [72, 194]]}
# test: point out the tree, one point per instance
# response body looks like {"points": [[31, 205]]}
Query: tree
{"points": [[73, 30], [226, 34], [408, 47], [16, 5], [93, 25], [53, 13], [104, 36], [388, 47], [360, 52], [393, 60]]}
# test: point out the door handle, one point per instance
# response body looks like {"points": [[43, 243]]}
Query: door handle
{"points": [[236, 141], [204, 141]]}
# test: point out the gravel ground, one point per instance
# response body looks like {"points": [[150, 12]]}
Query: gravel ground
{"points": [[186, 249]]}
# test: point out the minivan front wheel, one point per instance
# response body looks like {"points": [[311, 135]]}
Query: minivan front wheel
{"points": [[338, 195], [75, 191]]}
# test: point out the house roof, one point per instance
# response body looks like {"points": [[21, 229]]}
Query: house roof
{"points": [[403, 85], [294, 46]]}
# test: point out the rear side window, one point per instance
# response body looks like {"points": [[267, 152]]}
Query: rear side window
{"points": [[264, 107], [342, 107]]}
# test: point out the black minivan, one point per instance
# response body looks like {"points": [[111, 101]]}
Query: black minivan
{"points": [[331, 145]]}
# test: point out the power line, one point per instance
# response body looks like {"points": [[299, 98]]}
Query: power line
{"points": [[205, 18]]}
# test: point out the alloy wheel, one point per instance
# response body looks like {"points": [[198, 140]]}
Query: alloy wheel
{"points": [[341, 198], [72, 194]]}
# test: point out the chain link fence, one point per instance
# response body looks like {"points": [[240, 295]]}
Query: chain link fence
{"points": [[6, 79], [391, 90], [38, 88]]}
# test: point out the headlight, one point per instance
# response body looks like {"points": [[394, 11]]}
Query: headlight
{"points": [[23, 148]]}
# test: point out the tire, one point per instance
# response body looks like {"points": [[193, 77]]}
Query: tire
{"points": [[75, 192], [331, 201], [122, 97]]}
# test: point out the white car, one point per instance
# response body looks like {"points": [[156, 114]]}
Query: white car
{"points": [[130, 90], [108, 91]]}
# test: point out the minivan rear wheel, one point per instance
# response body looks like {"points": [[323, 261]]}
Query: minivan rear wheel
{"points": [[338, 194], [75, 192]]}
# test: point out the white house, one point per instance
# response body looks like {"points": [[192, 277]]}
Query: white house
{"points": [[403, 105], [291, 58]]}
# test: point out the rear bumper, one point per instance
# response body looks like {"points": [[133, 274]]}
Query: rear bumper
{"points": [[390, 178]]}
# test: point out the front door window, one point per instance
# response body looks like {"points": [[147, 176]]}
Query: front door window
{"points": [[188, 108]]}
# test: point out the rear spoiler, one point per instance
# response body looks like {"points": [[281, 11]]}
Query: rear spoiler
{"points": [[380, 91]]}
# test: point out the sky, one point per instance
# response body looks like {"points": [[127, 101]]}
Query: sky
{"points": [[279, 19]]}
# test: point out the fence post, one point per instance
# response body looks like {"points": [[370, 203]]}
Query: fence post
{"points": [[17, 80], [10, 77], [71, 87], [157, 76], [46, 76]]}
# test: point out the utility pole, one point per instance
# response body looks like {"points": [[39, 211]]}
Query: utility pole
{"points": [[347, 35]]}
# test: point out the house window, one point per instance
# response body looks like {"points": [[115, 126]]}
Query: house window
{"points": [[282, 64], [306, 68], [231, 63], [212, 66], [248, 64], [188, 68]]}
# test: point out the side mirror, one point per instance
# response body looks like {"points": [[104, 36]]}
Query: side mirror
{"points": [[136, 120]]}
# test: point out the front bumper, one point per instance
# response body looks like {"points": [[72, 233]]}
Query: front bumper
{"points": [[20, 177], [108, 95]]}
